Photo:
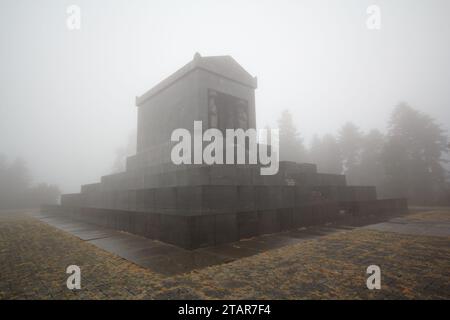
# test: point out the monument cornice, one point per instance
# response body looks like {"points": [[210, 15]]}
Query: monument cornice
{"points": [[198, 64]]}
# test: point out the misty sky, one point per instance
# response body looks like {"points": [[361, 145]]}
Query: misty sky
{"points": [[67, 97]]}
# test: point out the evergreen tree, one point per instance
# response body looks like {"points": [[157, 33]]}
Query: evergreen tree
{"points": [[326, 154], [350, 139], [413, 155], [371, 170], [291, 145], [123, 153], [16, 190]]}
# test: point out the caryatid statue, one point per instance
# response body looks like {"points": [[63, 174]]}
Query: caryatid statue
{"points": [[213, 114], [242, 117]]}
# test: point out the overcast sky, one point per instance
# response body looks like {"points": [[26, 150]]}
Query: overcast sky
{"points": [[67, 97]]}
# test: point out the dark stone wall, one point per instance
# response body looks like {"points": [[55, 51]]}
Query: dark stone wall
{"points": [[177, 106], [348, 193], [194, 231], [201, 198]]}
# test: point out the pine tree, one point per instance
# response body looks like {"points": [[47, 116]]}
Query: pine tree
{"points": [[326, 154], [413, 156], [291, 145], [350, 139], [371, 170]]}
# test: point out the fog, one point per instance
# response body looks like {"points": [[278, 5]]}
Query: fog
{"points": [[67, 97]]}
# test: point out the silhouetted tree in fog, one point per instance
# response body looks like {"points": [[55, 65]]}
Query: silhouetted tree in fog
{"points": [[326, 154], [291, 145], [41, 194], [412, 156], [18, 176], [350, 139], [16, 181], [15, 189], [371, 169], [123, 153]]}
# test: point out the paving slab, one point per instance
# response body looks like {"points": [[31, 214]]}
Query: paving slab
{"points": [[81, 230], [410, 225], [230, 251], [133, 247], [155, 255], [268, 242], [422, 229]]}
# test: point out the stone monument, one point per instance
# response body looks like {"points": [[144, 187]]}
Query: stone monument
{"points": [[204, 205]]}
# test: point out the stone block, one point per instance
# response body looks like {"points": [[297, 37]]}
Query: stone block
{"points": [[71, 200], [268, 222], [307, 168], [110, 199], [182, 176], [111, 219], [302, 196], [201, 229], [220, 198], [197, 176], [102, 217], [285, 218], [153, 226], [226, 228], [167, 179], [273, 180], [166, 198], [247, 224], [244, 176], [287, 196], [317, 214], [149, 199], [223, 174], [302, 216], [257, 178], [174, 229], [288, 168], [149, 180], [88, 188], [132, 200], [139, 225], [246, 198], [305, 179], [122, 200], [84, 213], [189, 197], [331, 211], [267, 197], [327, 179], [123, 221], [140, 200]]}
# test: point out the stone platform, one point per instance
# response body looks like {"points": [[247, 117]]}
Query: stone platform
{"points": [[203, 230]]}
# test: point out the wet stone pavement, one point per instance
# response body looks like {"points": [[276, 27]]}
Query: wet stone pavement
{"points": [[169, 259]]}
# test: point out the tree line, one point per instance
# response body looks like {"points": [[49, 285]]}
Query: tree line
{"points": [[16, 189], [408, 160]]}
